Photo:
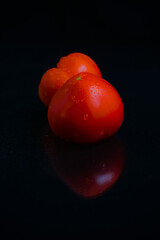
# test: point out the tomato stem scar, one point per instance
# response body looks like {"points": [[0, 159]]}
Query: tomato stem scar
{"points": [[78, 78]]}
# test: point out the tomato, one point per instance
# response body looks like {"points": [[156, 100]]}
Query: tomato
{"points": [[77, 63], [67, 67], [86, 170], [51, 81], [85, 109]]}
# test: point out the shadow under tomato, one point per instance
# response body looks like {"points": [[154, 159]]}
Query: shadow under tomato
{"points": [[88, 170]]}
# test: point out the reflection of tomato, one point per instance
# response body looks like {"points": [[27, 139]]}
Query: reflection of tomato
{"points": [[67, 67], [51, 81], [78, 62], [88, 170], [85, 109]]}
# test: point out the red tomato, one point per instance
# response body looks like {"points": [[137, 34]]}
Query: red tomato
{"points": [[67, 67], [51, 81], [77, 63], [85, 109]]}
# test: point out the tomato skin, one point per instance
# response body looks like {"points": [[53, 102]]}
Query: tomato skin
{"points": [[78, 62], [50, 82], [67, 67], [85, 109]]}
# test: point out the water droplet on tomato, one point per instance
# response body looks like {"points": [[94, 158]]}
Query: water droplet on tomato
{"points": [[85, 116]]}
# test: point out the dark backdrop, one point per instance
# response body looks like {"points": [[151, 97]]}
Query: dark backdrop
{"points": [[123, 39], [98, 22]]}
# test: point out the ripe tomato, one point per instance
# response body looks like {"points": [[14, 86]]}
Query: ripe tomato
{"points": [[67, 67], [77, 63], [85, 109], [51, 81]]}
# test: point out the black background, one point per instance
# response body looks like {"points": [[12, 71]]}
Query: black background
{"points": [[123, 39], [78, 21]]}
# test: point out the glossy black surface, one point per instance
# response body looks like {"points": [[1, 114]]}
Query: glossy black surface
{"points": [[35, 199], [50, 188]]}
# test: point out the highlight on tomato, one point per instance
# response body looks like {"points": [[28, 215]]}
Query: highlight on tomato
{"points": [[67, 67], [86, 109]]}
